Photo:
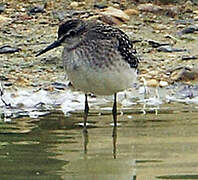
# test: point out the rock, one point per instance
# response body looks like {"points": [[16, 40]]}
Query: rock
{"points": [[185, 75], [59, 86], [168, 36], [61, 15], [74, 4], [163, 83], [8, 84], [22, 9], [169, 49], [184, 57], [160, 27], [100, 6], [185, 21], [116, 13], [3, 78], [109, 20], [153, 73], [8, 49], [188, 30], [172, 11], [188, 6], [152, 82], [196, 18], [2, 7], [131, 12], [156, 44], [149, 7], [22, 81], [195, 12], [36, 9], [4, 19]]}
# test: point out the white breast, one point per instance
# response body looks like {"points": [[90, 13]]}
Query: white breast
{"points": [[102, 81]]}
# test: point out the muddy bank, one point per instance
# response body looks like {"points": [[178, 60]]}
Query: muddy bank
{"points": [[166, 42]]}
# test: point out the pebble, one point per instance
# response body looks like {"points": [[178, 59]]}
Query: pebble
{"points": [[36, 9], [153, 73], [190, 29], [130, 117], [59, 86], [100, 6], [156, 44], [195, 18], [131, 12], [152, 82], [185, 75], [22, 9], [117, 13], [74, 4], [188, 6], [160, 27], [195, 12], [2, 7], [163, 83], [172, 11], [4, 19], [8, 49], [3, 78], [149, 7], [184, 57], [169, 49], [110, 20]]}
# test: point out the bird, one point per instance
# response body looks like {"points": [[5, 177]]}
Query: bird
{"points": [[98, 58]]}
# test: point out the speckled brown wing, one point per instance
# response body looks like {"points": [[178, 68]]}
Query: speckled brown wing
{"points": [[124, 45]]}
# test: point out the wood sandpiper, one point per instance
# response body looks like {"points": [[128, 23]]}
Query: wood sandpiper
{"points": [[98, 59]]}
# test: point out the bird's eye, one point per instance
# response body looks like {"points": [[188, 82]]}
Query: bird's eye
{"points": [[72, 33]]}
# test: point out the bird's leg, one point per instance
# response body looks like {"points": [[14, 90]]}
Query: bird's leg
{"points": [[86, 140], [114, 111], [114, 134], [86, 111]]}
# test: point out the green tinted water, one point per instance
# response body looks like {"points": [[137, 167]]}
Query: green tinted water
{"points": [[147, 147]]}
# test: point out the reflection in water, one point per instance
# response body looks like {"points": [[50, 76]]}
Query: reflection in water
{"points": [[51, 147], [23, 153], [114, 135], [86, 139], [85, 131]]}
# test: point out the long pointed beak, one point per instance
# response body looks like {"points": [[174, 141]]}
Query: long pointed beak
{"points": [[51, 46]]}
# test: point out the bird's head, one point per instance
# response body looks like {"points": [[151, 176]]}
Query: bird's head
{"points": [[70, 33]]}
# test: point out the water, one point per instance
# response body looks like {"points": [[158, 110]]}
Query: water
{"points": [[157, 145]]}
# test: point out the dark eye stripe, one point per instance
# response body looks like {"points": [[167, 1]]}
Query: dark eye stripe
{"points": [[65, 27], [76, 26]]}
